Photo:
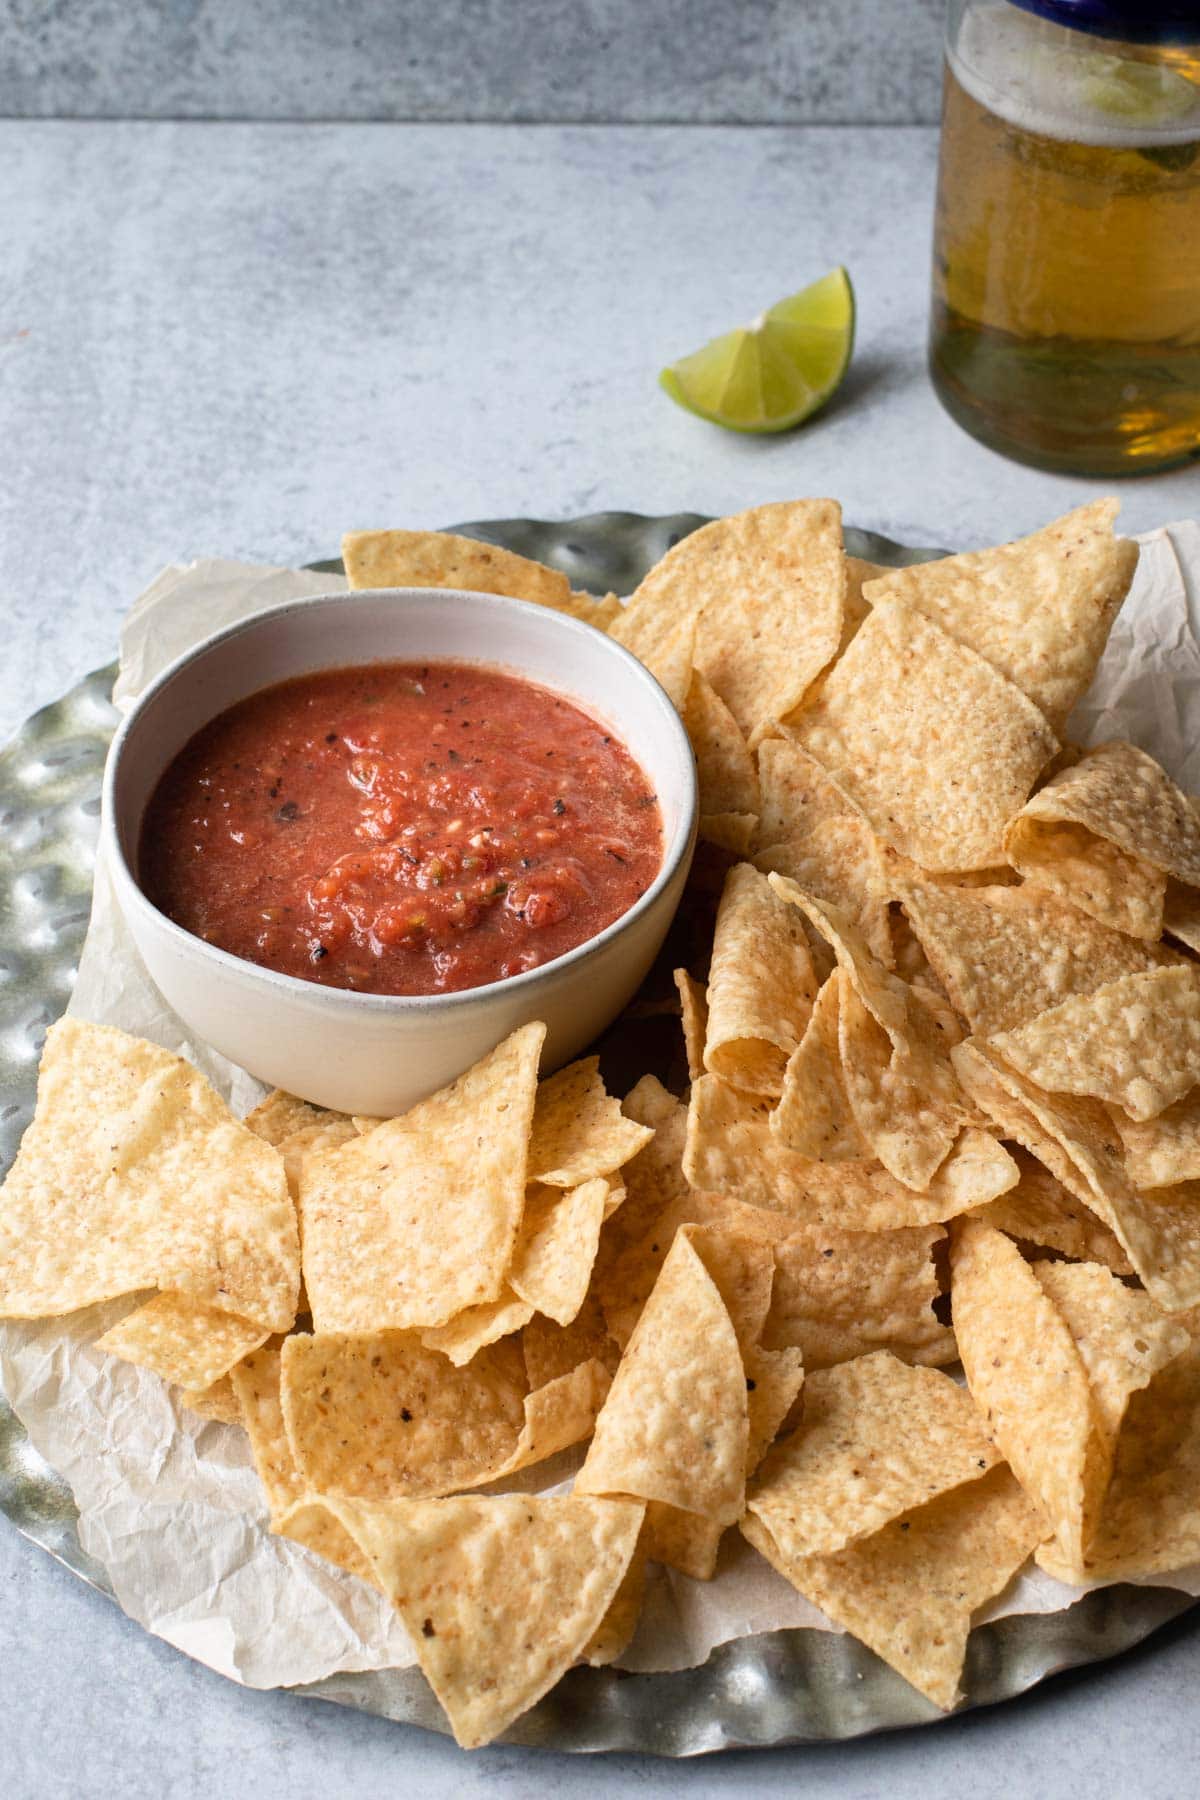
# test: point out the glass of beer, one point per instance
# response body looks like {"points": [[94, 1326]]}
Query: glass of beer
{"points": [[1065, 327]]}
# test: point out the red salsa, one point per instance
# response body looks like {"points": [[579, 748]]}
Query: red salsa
{"points": [[401, 828]]}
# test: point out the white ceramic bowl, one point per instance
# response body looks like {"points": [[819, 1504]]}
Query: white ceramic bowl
{"points": [[379, 1053]]}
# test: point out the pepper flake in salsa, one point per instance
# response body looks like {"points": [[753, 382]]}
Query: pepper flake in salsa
{"points": [[401, 828]]}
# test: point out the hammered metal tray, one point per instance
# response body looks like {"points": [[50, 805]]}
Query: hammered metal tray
{"points": [[782, 1687]]}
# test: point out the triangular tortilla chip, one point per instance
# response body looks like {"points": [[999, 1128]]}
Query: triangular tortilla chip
{"points": [[693, 1005], [500, 1594], [472, 1330], [761, 985], [440, 559], [1122, 796], [1040, 610], [814, 1116], [674, 1427], [877, 1438], [743, 1270], [134, 1174], [1134, 1043], [724, 766], [812, 832], [1006, 954], [1164, 1150], [556, 1247], [416, 1220], [1047, 1215], [909, 1591], [380, 1417], [1029, 1381], [766, 588], [1151, 1521], [937, 748], [843, 1294], [193, 1346], [579, 1131], [218, 1402], [731, 1150], [1158, 1229]]}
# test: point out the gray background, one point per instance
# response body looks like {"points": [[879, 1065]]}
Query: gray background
{"points": [[632, 61]]}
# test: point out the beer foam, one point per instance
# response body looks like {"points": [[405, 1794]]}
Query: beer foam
{"points": [[1042, 78]]}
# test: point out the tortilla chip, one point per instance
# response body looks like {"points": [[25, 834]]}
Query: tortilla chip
{"points": [[310, 1523], [134, 1174], [937, 748], [1122, 1338], [693, 1001], [1006, 954], [1043, 1213], [906, 1103], [1121, 795], [552, 1350], [732, 1150], [440, 559], [193, 1346], [218, 1402], [499, 1594], [1121, 891], [614, 1633], [842, 1294], [766, 590], [472, 1330], [256, 1386], [1134, 1043], [1151, 1522], [814, 1116], [724, 767], [761, 985], [878, 1438], [858, 573], [734, 832], [417, 1220], [813, 833], [579, 1131], [281, 1115], [1159, 1229], [1162, 1151], [909, 1591], [556, 1247], [654, 1178], [1029, 1381], [674, 1427], [379, 1416], [1040, 610], [743, 1270]]}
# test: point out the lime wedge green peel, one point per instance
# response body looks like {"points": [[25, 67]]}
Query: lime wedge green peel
{"points": [[776, 373]]}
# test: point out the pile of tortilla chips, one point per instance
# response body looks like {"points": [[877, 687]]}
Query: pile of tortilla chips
{"points": [[937, 1102]]}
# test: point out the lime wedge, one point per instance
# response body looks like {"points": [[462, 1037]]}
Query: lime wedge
{"points": [[1137, 93], [775, 373]]}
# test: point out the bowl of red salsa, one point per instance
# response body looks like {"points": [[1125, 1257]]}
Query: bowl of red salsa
{"points": [[358, 839]]}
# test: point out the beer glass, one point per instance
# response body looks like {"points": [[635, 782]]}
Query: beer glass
{"points": [[1065, 325]]}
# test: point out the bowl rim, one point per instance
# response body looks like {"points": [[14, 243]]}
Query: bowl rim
{"points": [[675, 853]]}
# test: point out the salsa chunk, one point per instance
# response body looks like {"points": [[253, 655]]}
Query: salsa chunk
{"points": [[401, 828]]}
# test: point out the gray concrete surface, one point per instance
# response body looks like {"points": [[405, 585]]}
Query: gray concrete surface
{"points": [[745, 61], [241, 340]]}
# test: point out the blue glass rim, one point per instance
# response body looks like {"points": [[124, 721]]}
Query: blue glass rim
{"points": [[1132, 21]]}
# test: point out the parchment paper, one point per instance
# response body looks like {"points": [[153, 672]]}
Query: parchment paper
{"points": [[170, 1504]]}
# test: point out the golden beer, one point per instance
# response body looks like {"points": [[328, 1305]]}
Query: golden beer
{"points": [[1066, 286]]}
